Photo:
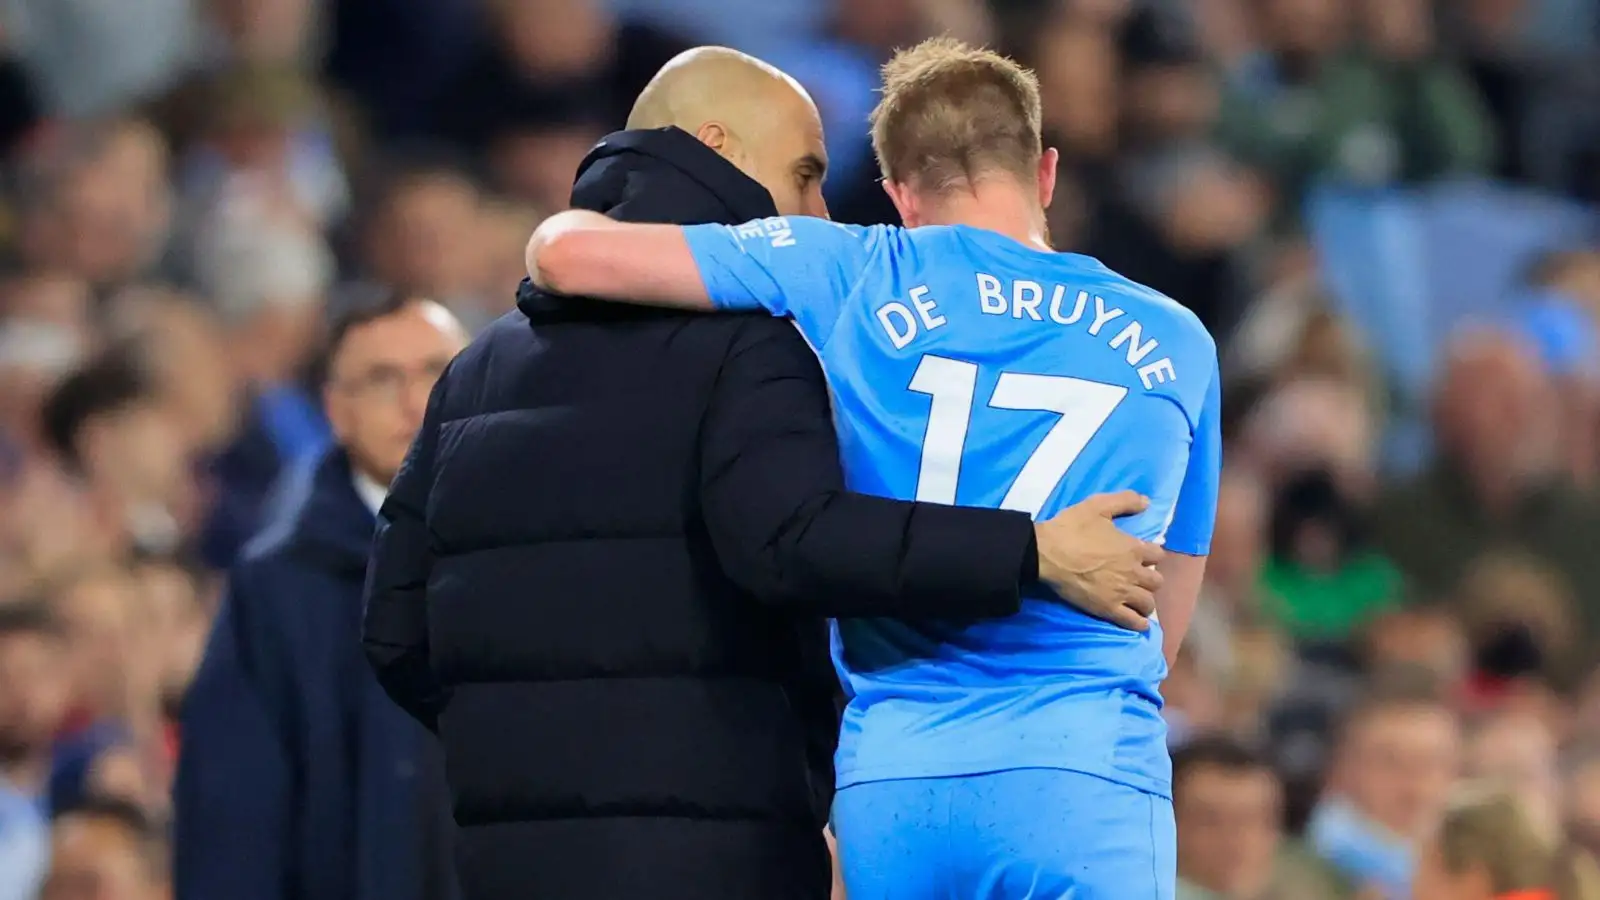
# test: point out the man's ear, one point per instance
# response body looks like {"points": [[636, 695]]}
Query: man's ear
{"points": [[1049, 161], [905, 203], [715, 136], [336, 410]]}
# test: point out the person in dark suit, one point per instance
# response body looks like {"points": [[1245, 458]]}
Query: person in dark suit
{"points": [[601, 573], [298, 779]]}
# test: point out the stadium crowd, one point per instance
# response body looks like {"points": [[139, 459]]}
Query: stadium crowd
{"points": [[1383, 211]]}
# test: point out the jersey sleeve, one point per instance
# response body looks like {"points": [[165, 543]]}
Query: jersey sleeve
{"points": [[796, 266], [1195, 513]]}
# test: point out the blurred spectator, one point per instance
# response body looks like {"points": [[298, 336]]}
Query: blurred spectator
{"points": [[1238, 546], [1383, 109], [106, 850], [1192, 695], [1263, 667], [249, 109], [1291, 332], [1580, 791], [95, 203], [1396, 758], [270, 31], [79, 53], [393, 58], [1183, 211], [503, 230], [110, 428], [1489, 847], [231, 385], [1426, 640], [1517, 751], [113, 742], [425, 236], [536, 159], [49, 299], [34, 356], [1558, 314], [299, 779], [51, 528], [1313, 424], [553, 78], [176, 602], [178, 341], [33, 700], [46, 332], [1544, 103], [1521, 622], [262, 139], [1229, 807], [1170, 94], [1323, 578], [1077, 68], [267, 279], [1495, 482], [1225, 29]]}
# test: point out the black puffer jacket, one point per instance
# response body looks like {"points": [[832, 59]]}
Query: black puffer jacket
{"points": [[602, 572]]}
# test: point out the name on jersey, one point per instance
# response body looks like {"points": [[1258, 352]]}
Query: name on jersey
{"points": [[904, 322], [775, 228]]}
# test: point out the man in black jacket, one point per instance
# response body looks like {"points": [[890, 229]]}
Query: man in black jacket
{"points": [[600, 574]]}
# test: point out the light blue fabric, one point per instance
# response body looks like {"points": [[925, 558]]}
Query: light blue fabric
{"points": [[1411, 267], [24, 845], [1562, 332], [1360, 849], [1025, 834], [295, 423], [969, 368]]}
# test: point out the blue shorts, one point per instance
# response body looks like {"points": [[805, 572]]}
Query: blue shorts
{"points": [[1022, 834]]}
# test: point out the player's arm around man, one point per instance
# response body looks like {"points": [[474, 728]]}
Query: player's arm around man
{"points": [[1082, 555]]}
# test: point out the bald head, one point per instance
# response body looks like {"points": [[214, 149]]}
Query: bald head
{"points": [[1493, 408], [708, 84], [751, 113]]}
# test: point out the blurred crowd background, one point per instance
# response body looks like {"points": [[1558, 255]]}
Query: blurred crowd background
{"points": [[1383, 209]]}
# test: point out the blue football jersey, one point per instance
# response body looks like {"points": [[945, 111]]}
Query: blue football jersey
{"points": [[968, 368]]}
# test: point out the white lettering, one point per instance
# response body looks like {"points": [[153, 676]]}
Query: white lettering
{"points": [[902, 335], [1158, 372], [926, 309], [778, 229], [1077, 312], [1130, 336], [1025, 297], [748, 231], [1102, 315], [990, 300]]}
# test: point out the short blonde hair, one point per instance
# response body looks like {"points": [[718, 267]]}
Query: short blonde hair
{"points": [[951, 113], [1488, 827]]}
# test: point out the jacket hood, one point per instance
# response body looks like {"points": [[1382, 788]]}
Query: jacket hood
{"points": [[319, 517], [657, 175]]}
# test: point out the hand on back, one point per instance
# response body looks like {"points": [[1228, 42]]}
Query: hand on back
{"points": [[1095, 566]]}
